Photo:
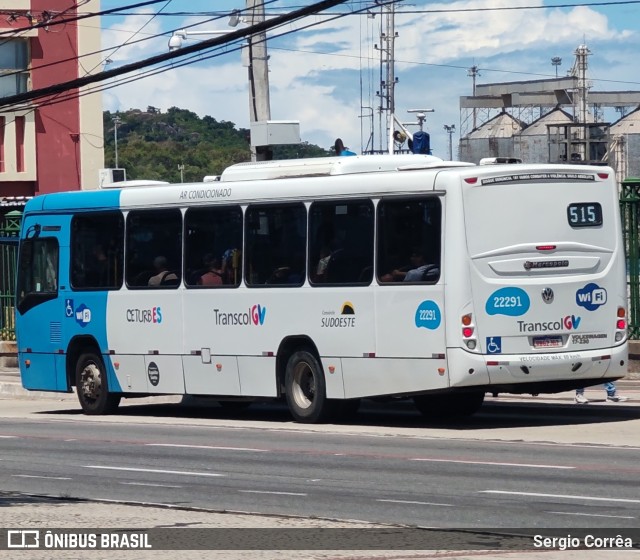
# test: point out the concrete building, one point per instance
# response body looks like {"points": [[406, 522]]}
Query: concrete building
{"points": [[493, 139], [532, 143], [56, 144], [625, 144]]}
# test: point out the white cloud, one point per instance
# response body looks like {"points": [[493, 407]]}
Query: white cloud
{"points": [[323, 91]]}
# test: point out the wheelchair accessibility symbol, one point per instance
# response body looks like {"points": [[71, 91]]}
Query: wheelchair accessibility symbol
{"points": [[68, 307], [494, 345]]}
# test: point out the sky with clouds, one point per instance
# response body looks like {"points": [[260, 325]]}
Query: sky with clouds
{"points": [[326, 76]]}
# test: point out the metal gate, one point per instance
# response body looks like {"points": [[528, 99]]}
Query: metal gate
{"points": [[630, 209], [9, 238]]}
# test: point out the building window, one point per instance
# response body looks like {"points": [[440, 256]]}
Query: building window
{"points": [[14, 64]]}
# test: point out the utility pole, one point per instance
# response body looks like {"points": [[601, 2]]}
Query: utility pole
{"points": [[181, 169], [474, 72], [116, 121], [450, 129], [556, 61], [259, 105]]}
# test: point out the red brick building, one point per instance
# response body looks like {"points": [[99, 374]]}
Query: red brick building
{"points": [[49, 147]]}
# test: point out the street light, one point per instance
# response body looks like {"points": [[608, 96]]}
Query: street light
{"points": [[180, 35], [450, 129], [556, 61]]}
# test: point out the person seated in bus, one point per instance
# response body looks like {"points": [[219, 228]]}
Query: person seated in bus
{"points": [[323, 261], [214, 274], [162, 273], [417, 271]]}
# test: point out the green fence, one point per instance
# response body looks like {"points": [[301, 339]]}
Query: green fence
{"points": [[9, 235], [630, 209]]}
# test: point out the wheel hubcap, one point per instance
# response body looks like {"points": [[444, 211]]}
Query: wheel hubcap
{"points": [[304, 385], [91, 382]]}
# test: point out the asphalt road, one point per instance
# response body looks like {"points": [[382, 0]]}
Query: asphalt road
{"points": [[533, 464]]}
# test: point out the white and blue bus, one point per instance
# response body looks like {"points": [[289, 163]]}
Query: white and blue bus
{"points": [[325, 281]]}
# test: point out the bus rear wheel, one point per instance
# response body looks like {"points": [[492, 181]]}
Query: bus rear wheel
{"points": [[449, 406], [305, 388], [92, 387]]}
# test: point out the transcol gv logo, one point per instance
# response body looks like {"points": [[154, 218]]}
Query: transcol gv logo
{"points": [[568, 323], [255, 315], [591, 297]]}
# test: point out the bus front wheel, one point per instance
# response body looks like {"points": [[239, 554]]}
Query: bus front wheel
{"points": [[305, 388], [92, 387]]}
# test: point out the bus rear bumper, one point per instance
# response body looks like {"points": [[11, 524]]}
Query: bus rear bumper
{"points": [[555, 369]]}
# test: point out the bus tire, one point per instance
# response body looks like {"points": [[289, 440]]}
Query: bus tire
{"points": [[305, 388], [92, 386], [449, 406]]}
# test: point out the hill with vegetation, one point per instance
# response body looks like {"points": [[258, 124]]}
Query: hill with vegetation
{"points": [[154, 145]]}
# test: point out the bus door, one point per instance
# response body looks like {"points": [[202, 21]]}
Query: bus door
{"points": [[410, 333], [42, 298]]}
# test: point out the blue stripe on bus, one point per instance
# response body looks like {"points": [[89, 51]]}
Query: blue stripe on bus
{"points": [[85, 200]]}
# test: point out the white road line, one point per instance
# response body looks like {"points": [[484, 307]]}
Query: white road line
{"points": [[566, 496], [184, 473], [154, 485], [8, 437], [415, 503], [591, 514], [276, 493], [494, 464], [206, 447], [46, 477]]}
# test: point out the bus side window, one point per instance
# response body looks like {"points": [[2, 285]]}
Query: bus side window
{"points": [[152, 234], [409, 240], [212, 258], [275, 242], [97, 248], [341, 242]]}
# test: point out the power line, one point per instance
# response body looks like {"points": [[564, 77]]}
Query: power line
{"points": [[195, 57], [16, 100], [51, 22]]}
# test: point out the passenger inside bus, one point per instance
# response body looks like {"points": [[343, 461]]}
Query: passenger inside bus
{"points": [[419, 270], [163, 276], [214, 275]]}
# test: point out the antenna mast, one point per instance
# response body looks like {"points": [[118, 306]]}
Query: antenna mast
{"points": [[387, 85]]}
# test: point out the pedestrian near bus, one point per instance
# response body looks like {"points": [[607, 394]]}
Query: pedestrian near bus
{"points": [[610, 388]]}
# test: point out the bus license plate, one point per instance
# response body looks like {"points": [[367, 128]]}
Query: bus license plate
{"points": [[547, 341]]}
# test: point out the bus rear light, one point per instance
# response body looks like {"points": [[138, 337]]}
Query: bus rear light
{"points": [[471, 344], [441, 371], [467, 319], [27, 363], [471, 180], [603, 175], [546, 248], [622, 312], [621, 324], [467, 332]]}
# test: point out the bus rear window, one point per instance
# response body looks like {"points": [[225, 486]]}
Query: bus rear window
{"points": [[37, 272]]}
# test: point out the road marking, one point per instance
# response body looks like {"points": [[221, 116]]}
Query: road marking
{"points": [[591, 515], [46, 477], [415, 503], [568, 497], [277, 493], [8, 437], [494, 464], [159, 471], [205, 447], [154, 485]]}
